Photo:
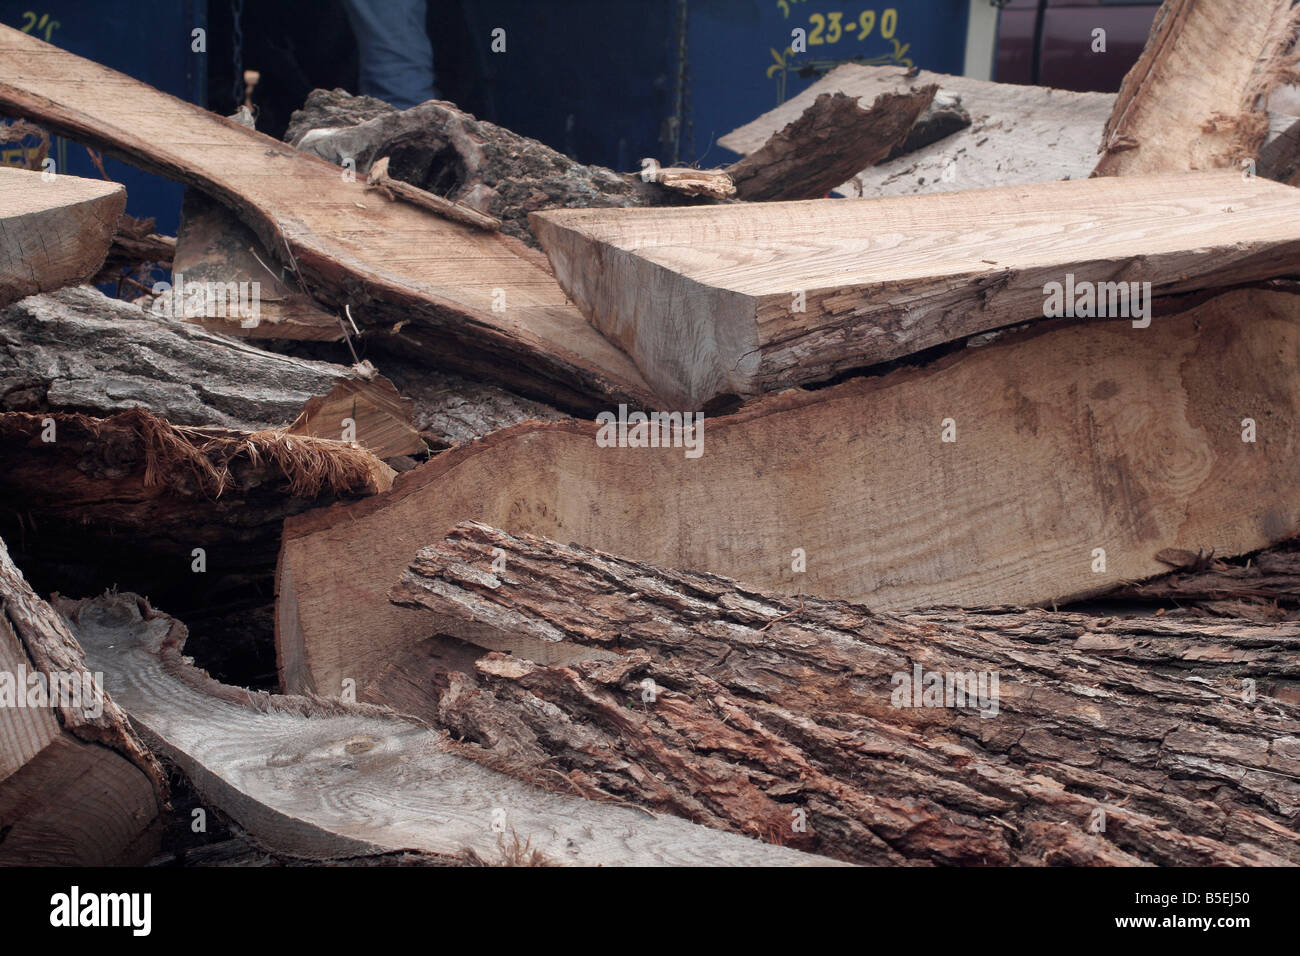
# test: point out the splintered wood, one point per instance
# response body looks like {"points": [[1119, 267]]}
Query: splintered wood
{"points": [[1068, 439], [739, 300], [54, 230], [476, 299]]}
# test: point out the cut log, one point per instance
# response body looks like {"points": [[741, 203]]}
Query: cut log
{"points": [[479, 302], [1016, 134], [738, 300], [53, 233], [78, 350], [77, 786], [833, 139], [1197, 96], [1069, 439], [320, 779], [815, 723], [135, 245]]}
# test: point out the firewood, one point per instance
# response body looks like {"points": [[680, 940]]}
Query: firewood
{"points": [[77, 350], [55, 232], [1197, 96], [321, 779], [474, 301], [1080, 452], [743, 299], [731, 706], [378, 178], [77, 786], [1013, 135]]}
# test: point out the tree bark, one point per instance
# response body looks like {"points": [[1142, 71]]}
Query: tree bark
{"points": [[77, 786], [737, 708]]}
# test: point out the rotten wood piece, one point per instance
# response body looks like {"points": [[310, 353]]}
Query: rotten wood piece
{"points": [[475, 301], [319, 779], [77, 786], [1197, 96], [815, 723], [1015, 135], [79, 351], [378, 178], [54, 230], [743, 299], [1068, 439], [833, 138]]}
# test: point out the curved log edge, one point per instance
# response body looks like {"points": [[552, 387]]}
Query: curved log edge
{"points": [[323, 779], [732, 706]]}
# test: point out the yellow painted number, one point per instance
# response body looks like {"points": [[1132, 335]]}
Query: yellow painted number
{"points": [[866, 23], [888, 23]]}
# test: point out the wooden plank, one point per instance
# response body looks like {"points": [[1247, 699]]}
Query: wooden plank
{"points": [[1069, 438], [53, 233], [478, 301], [319, 779], [1197, 96], [755, 709], [77, 786], [1017, 134], [739, 300]]}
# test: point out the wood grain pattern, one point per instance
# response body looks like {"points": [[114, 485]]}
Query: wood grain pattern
{"points": [[320, 779], [1197, 96], [392, 262], [1069, 438], [745, 299], [1017, 134], [77, 785], [53, 233]]}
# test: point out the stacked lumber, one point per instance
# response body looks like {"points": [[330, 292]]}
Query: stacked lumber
{"points": [[539, 513]]}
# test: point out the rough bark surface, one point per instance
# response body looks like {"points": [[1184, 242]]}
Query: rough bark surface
{"points": [[77, 350], [739, 709], [449, 153], [321, 779], [77, 785], [833, 139]]}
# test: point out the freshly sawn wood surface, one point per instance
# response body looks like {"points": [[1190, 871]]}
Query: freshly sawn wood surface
{"points": [[1068, 439], [320, 779], [53, 232], [472, 299], [743, 299]]}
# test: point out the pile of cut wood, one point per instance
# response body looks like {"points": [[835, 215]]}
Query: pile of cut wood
{"points": [[453, 501]]}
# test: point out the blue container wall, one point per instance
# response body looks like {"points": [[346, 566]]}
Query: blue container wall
{"points": [[147, 39], [740, 63], [606, 80]]}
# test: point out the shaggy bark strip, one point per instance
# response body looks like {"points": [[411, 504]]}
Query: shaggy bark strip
{"points": [[77, 786], [1197, 97], [739, 709], [320, 779]]}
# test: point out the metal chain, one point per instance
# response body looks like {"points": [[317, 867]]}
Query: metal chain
{"points": [[237, 51]]}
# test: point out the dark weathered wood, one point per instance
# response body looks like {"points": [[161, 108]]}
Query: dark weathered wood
{"points": [[1197, 96], [77, 786], [738, 708], [317, 779], [53, 231], [478, 302], [78, 350], [834, 138], [378, 178]]}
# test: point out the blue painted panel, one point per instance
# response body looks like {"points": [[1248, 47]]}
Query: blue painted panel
{"points": [[147, 39]]}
